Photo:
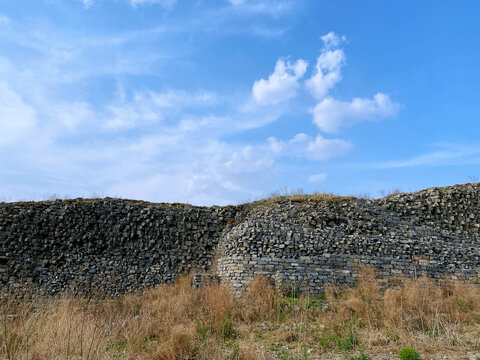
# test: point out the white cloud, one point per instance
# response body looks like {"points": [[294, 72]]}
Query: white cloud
{"points": [[4, 19], [328, 69], [175, 98], [332, 40], [322, 149], [317, 178], [88, 3], [168, 4], [130, 115], [249, 159], [266, 7], [304, 146], [331, 114], [206, 171], [181, 160], [160, 146], [267, 32], [193, 169], [182, 187], [224, 170], [16, 117], [74, 115], [152, 107], [280, 86]]}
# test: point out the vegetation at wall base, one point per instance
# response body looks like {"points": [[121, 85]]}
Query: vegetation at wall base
{"points": [[408, 353], [362, 356], [181, 322]]}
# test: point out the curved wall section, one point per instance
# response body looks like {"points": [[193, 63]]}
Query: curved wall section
{"points": [[433, 232]]}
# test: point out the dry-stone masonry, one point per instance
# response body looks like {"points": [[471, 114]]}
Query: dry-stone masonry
{"points": [[110, 244], [119, 246]]}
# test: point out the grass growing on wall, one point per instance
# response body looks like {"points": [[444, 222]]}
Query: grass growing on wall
{"points": [[180, 322], [298, 195]]}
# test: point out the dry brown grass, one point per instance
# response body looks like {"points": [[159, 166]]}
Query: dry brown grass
{"points": [[180, 322], [423, 313], [300, 197]]}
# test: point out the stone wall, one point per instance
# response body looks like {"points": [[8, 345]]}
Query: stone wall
{"points": [[114, 245], [306, 244], [121, 245]]}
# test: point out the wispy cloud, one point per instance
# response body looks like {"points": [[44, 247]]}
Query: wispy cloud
{"points": [[4, 19], [60, 56], [332, 41], [323, 149], [445, 155], [168, 4], [152, 107], [164, 3], [150, 145], [268, 7], [305, 146], [16, 118], [267, 32], [317, 178], [146, 140], [88, 3]]}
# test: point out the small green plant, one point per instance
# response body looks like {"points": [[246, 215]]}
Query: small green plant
{"points": [[283, 355], [436, 333], [328, 341], [462, 304], [362, 356], [355, 321], [347, 343], [317, 302], [118, 346], [361, 323], [203, 332], [235, 350], [304, 353], [408, 353], [227, 326], [391, 334], [151, 340]]}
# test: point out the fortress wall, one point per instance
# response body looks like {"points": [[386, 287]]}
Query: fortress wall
{"points": [[307, 244], [122, 245], [117, 245]]}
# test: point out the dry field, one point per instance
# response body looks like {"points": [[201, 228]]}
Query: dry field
{"points": [[440, 320]]}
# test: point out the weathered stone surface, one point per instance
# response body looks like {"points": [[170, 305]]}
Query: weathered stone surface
{"points": [[121, 245], [115, 245], [318, 242]]}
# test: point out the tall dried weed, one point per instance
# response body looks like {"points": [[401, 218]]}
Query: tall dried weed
{"points": [[181, 322]]}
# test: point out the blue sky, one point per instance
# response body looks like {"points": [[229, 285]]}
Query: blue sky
{"points": [[224, 101]]}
